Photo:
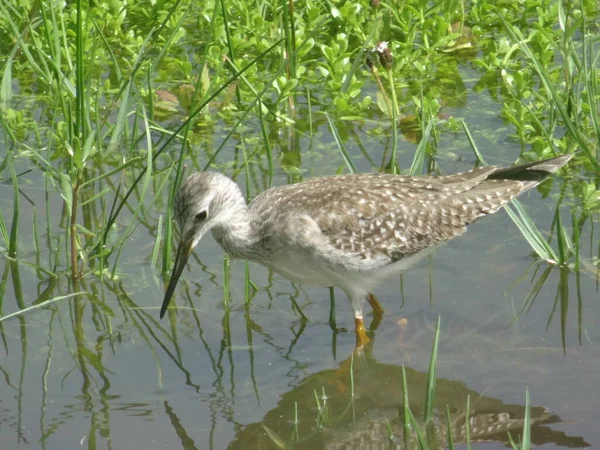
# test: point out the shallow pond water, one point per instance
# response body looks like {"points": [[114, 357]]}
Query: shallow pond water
{"points": [[206, 377]]}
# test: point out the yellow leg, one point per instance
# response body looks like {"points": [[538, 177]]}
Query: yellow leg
{"points": [[361, 333], [375, 305], [377, 312]]}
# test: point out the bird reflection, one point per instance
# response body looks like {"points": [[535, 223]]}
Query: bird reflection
{"points": [[330, 418]]}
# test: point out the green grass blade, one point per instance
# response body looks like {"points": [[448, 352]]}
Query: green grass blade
{"points": [[6, 86], [449, 429], [394, 158], [390, 431], [226, 281], [430, 393], [4, 231], [416, 167], [478, 155], [576, 243], [414, 425], [562, 239], [512, 443], [157, 242], [341, 145], [14, 228], [530, 232], [266, 143], [526, 441], [405, 404]]}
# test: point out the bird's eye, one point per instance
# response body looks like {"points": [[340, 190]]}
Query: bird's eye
{"points": [[201, 216]]}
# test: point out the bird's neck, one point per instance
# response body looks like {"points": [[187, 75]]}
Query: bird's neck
{"points": [[235, 234]]}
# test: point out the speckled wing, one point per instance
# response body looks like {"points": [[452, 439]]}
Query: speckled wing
{"points": [[389, 217], [436, 213]]}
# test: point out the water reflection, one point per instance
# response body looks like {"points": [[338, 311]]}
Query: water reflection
{"points": [[101, 364], [329, 418], [101, 358]]}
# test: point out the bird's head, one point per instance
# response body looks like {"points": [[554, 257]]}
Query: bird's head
{"points": [[206, 200]]}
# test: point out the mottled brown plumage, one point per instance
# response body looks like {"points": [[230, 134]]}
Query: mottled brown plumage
{"points": [[349, 231], [389, 216]]}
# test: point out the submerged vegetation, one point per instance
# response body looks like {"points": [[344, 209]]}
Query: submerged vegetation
{"points": [[105, 105]]}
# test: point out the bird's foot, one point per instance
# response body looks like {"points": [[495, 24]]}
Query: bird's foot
{"points": [[361, 333]]}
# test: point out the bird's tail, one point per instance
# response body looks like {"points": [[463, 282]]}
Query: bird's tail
{"points": [[534, 171]]}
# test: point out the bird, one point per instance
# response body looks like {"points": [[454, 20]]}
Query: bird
{"points": [[348, 231]]}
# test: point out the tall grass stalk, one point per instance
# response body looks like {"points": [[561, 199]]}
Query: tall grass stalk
{"points": [[473, 144], [229, 43], [226, 281], [14, 228], [449, 429], [4, 231], [382, 91], [247, 281], [575, 224], [395, 109], [341, 146], [562, 239], [157, 242], [266, 143], [431, 377], [526, 436], [405, 405], [289, 54], [415, 428]]}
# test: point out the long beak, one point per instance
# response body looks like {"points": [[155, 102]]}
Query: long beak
{"points": [[183, 253]]}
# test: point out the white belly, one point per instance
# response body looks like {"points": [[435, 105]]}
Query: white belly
{"points": [[301, 270], [310, 270]]}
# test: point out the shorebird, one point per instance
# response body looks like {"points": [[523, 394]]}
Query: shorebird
{"points": [[346, 231]]}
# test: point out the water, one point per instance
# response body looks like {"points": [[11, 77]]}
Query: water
{"points": [[211, 378]]}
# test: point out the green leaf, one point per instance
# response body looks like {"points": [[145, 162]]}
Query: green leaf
{"points": [[530, 232], [6, 87]]}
